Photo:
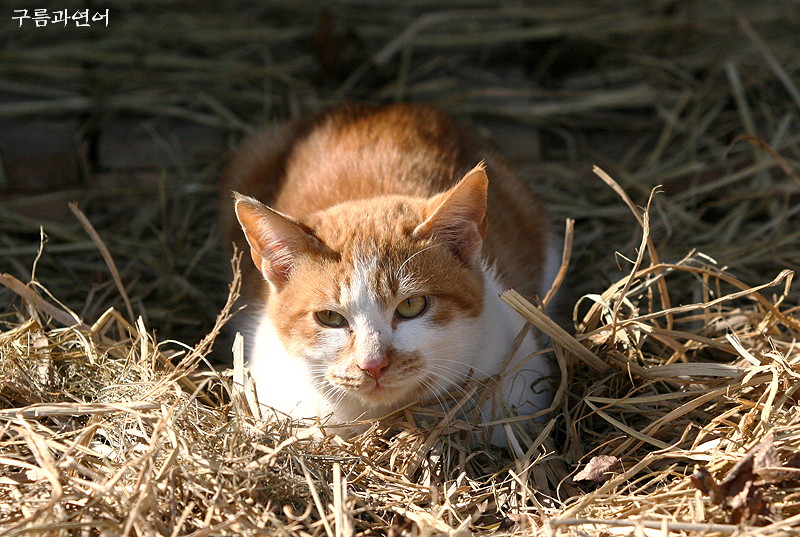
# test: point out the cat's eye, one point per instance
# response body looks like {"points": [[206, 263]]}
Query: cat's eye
{"points": [[331, 319], [411, 307]]}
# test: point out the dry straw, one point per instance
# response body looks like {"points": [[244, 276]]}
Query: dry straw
{"points": [[675, 411], [107, 430]]}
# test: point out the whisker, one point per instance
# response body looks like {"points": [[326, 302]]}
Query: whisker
{"points": [[431, 390], [461, 372], [398, 274]]}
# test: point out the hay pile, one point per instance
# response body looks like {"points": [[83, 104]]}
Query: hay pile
{"points": [[676, 413], [693, 408]]}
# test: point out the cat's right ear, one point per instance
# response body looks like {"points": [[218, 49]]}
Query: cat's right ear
{"points": [[457, 217], [276, 240]]}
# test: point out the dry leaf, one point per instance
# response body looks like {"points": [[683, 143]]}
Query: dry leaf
{"points": [[599, 468], [767, 463], [400, 526], [524, 522], [740, 491], [706, 484]]}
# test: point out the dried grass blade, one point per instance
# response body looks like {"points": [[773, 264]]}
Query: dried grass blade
{"points": [[770, 58], [239, 388], [112, 267], [440, 426], [566, 255], [629, 280], [560, 336], [744, 353], [682, 410], [692, 371], [782, 162], [700, 528], [342, 519], [317, 501], [784, 276], [64, 317], [190, 361], [662, 286], [625, 429], [44, 410], [47, 467], [772, 392]]}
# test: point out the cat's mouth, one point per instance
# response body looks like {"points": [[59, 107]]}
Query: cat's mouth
{"points": [[386, 391], [385, 394], [378, 389]]}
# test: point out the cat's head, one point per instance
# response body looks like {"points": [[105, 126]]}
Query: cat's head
{"points": [[378, 297]]}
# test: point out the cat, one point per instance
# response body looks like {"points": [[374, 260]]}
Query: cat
{"points": [[378, 260]]}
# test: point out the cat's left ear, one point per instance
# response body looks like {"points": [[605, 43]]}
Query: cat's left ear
{"points": [[277, 241], [458, 217]]}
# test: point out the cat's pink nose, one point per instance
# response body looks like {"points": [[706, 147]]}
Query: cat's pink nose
{"points": [[375, 368]]}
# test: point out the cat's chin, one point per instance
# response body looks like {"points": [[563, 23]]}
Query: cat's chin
{"points": [[384, 396]]}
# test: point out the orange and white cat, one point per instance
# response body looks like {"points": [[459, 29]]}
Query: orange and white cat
{"points": [[378, 260]]}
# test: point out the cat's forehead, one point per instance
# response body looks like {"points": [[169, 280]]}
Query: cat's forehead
{"points": [[370, 286], [375, 256], [353, 225], [375, 274]]}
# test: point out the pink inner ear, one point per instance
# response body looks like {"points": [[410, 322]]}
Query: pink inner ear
{"points": [[278, 260], [458, 217], [275, 239]]}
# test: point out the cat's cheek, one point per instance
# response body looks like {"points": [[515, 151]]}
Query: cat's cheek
{"points": [[449, 350], [413, 335], [331, 340], [332, 351], [320, 349], [419, 338]]}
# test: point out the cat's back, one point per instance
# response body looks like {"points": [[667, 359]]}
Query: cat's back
{"points": [[353, 151], [356, 151]]}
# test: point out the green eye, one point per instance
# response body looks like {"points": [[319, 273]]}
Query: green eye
{"points": [[412, 307], [331, 319]]}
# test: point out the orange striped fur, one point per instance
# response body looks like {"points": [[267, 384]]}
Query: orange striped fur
{"points": [[373, 214]]}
